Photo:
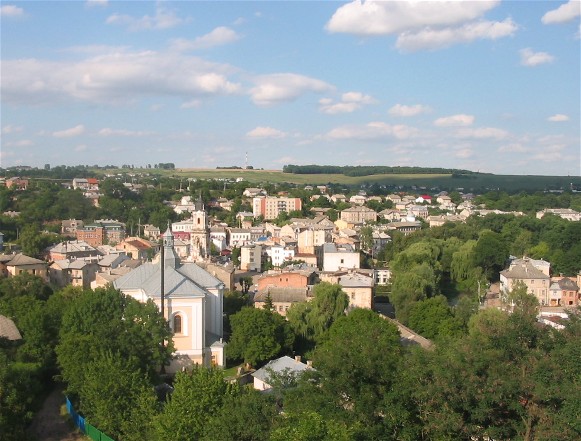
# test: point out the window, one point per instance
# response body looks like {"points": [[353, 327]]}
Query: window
{"points": [[177, 324]]}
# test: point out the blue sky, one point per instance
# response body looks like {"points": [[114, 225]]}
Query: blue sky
{"points": [[488, 86]]}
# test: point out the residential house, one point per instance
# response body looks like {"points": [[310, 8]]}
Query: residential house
{"points": [[239, 237], [336, 257], [103, 231], [251, 257], [357, 200], [423, 199], [218, 237], [288, 277], [359, 215], [69, 227], [357, 284], [533, 273], [282, 297], [17, 183], [193, 305], [281, 366], [418, 211], [279, 254], [390, 214], [151, 232], [138, 248], [20, 263], [74, 249], [382, 276], [563, 291], [336, 198], [406, 227], [72, 272], [254, 192], [563, 213]]}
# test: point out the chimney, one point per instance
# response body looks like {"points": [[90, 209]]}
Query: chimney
{"points": [[298, 358]]}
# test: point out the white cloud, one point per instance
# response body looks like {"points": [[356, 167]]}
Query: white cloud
{"points": [[9, 129], [266, 132], [350, 102], [283, 87], [118, 76], [393, 17], [81, 148], [163, 19], [531, 59], [432, 39], [21, 143], [454, 121], [516, 147], [122, 132], [406, 111], [376, 130], [69, 133], [97, 3], [558, 118], [11, 11], [218, 37], [564, 13], [482, 133]]}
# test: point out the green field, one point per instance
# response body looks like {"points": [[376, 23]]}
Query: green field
{"points": [[475, 182]]}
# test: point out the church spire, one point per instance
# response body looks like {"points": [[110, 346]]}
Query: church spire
{"points": [[170, 258]]}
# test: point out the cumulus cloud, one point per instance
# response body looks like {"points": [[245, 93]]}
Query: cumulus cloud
{"points": [[482, 133], [69, 133], [384, 18], [406, 111], [118, 76], [218, 37], [559, 117], [432, 39], [515, 147], [375, 130], [163, 19], [454, 121], [266, 132], [11, 11], [284, 87], [531, 59], [564, 13], [123, 132], [421, 25], [350, 102]]}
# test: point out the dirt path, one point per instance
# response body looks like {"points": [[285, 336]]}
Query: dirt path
{"points": [[49, 425]]}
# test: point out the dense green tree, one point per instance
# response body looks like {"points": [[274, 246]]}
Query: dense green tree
{"points": [[490, 253], [246, 416], [197, 396], [311, 320], [258, 335], [434, 318], [105, 320]]}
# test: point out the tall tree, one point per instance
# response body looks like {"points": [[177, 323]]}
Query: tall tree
{"points": [[258, 335]]}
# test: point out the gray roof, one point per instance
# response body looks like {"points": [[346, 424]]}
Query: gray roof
{"points": [[21, 259], [524, 270], [182, 280], [281, 365], [8, 329]]}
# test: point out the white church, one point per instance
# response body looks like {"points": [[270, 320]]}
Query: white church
{"points": [[193, 300]]}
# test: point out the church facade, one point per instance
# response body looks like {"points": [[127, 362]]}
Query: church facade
{"points": [[193, 304]]}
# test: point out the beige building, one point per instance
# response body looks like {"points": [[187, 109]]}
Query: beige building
{"points": [[73, 272], [21, 263], [533, 273], [359, 215], [251, 257], [269, 207]]}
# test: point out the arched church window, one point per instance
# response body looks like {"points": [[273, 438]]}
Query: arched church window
{"points": [[177, 324]]}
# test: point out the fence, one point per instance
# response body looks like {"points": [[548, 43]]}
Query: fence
{"points": [[91, 431]]}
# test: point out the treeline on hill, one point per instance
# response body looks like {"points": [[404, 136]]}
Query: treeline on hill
{"points": [[500, 377], [368, 170]]}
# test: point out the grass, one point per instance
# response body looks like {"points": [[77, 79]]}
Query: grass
{"points": [[476, 182]]}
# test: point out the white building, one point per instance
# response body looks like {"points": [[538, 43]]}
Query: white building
{"points": [[337, 257], [279, 254], [193, 305]]}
